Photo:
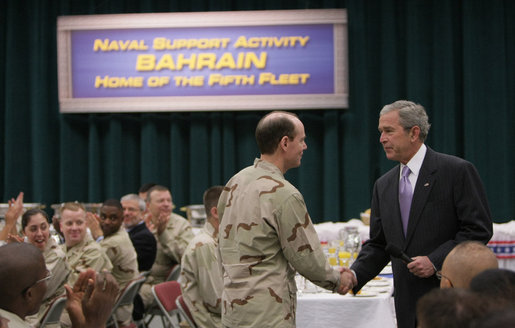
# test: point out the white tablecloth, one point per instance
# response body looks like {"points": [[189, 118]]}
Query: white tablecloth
{"points": [[332, 310], [327, 310]]}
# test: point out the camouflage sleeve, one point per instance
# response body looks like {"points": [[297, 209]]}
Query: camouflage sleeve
{"points": [[56, 263], [110, 248], [201, 284], [94, 258], [301, 245], [176, 238]]}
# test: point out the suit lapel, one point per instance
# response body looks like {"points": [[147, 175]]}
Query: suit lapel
{"points": [[425, 181]]}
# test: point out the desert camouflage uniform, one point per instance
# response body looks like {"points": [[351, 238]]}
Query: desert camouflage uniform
{"points": [[266, 235], [120, 251], [11, 320], [201, 279], [170, 247], [56, 263], [86, 254]]}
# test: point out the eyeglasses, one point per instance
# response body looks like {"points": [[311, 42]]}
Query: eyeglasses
{"points": [[47, 277], [439, 275]]}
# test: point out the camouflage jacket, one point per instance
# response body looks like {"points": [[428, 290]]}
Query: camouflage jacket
{"points": [[11, 320], [266, 235], [57, 264], [201, 279], [120, 251], [170, 247], [84, 255]]}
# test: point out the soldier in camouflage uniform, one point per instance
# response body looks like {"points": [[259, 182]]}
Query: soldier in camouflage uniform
{"points": [[266, 234], [201, 278], [81, 250], [172, 232], [36, 228], [118, 247]]}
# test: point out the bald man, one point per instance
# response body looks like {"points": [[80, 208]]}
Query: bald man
{"points": [[266, 233], [23, 277], [464, 262]]}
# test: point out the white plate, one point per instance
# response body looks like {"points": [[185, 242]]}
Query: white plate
{"points": [[377, 283]]}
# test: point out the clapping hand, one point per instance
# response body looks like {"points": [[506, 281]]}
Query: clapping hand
{"points": [[15, 209], [161, 223], [91, 300], [11, 216], [93, 223]]}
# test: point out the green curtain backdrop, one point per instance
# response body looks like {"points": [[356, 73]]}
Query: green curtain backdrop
{"points": [[454, 57]]}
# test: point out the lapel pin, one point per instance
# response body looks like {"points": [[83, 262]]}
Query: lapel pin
{"points": [[427, 184]]}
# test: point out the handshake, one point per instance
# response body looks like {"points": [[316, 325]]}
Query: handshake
{"points": [[347, 281]]}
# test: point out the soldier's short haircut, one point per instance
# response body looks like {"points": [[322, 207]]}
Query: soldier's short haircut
{"points": [[270, 131], [211, 197]]}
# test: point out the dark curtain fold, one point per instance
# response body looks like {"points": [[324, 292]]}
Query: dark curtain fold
{"points": [[454, 57]]}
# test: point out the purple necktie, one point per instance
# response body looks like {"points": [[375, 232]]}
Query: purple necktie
{"points": [[405, 196]]}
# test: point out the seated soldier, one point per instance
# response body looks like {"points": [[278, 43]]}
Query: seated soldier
{"points": [[81, 250], [23, 282], [449, 308], [201, 278], [36, 228], [464, 262], [173, 233], [118, 247]]}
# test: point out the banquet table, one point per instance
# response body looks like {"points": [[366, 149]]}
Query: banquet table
{"points": [[502, 242], [372, 308]]}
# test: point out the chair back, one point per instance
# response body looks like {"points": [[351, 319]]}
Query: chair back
{"points": [[175, 272], [129, 292], [126, 297], [185, 311], [53, 313], [165, 294]]}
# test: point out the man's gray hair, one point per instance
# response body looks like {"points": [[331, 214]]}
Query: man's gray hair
{"points": [[410, 115], [141, 202]]}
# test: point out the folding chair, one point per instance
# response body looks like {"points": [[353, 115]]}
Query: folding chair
{"points": [[53, 313], [165, 294], [126, 297], [175, 272], [185, 311], [173, 275]]}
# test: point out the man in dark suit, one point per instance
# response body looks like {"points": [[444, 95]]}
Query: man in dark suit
{"points": [[446, 205], [143, 240]]}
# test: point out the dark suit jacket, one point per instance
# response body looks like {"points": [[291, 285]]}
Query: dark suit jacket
{"points": [[145, 244], [449, 206]]}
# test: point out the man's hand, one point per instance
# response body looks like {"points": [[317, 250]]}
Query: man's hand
{"points": [[149, 222], [161, 223], [91, 300], [98, 302], [421, 267], [347, 281], [93, 223], [74, 297]]}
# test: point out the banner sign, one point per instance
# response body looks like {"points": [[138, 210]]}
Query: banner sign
{"points": [[202, 61]]}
